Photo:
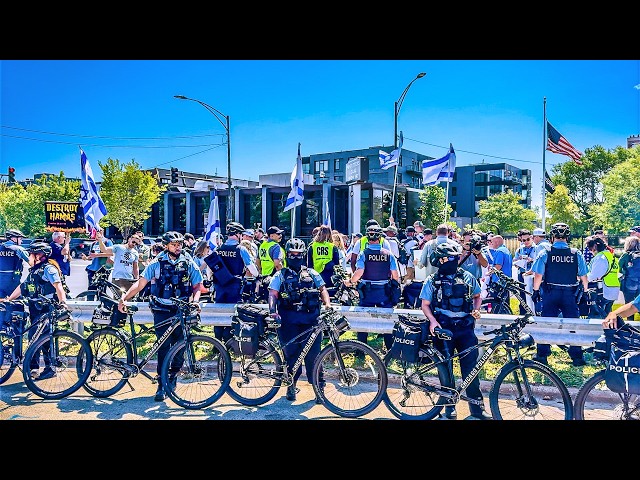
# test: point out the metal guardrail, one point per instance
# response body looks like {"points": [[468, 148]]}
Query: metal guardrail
{"points": [[555, 331]]}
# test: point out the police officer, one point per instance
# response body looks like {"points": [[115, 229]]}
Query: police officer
{"points": [[322, 254], [560, 270], [451, 300], [12, 256], [380, 285], [295, 295], [270, 252], [227, 277], [44, 279], [171, 274], [362, 244]]}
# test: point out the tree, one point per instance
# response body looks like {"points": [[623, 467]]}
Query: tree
{"points": [[432, 208], [584, 181], [563, 209], [128, 193], [621, 208], [505, 211]]}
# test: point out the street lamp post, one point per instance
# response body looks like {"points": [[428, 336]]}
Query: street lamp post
{"points": [[396, 111], [220, 116]]}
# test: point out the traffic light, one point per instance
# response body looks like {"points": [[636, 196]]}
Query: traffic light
{"points": [[12, 175], [174, 175]]}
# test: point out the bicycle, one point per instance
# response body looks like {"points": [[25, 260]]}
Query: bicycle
{"points": [[204, 373], [594, 400], [69, 352], [101, 286], [354, 376], [522, 389]]}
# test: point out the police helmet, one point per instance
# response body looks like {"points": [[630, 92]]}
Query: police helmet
{"points": [[40, 247], [14, 232], [169, 237], [295, 245], [560, 230], [374, 232], [444, 250], [234, 228]]}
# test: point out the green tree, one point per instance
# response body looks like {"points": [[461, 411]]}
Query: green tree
{"points": [[563, 209], [128, 193], [432, 207], [621, 208], [23, 208], [584, 182], [505, 211]]}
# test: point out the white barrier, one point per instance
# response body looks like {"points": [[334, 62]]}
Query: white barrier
{"points": [[556, 331]]}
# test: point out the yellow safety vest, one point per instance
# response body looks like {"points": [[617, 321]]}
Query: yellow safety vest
{"points": [[322, 254], [611, 278], [266, 262]]}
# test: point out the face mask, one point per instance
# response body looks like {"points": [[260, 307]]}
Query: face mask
{"points": [[448, 268], [295, 263]]}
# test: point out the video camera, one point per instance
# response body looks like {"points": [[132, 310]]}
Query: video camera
{"points": [[478, 240]]}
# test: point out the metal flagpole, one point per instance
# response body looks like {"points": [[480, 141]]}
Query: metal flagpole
{"points": [[544, 149]]}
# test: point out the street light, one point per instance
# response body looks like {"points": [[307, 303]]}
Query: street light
{"points": [[220, 116], [396, 111]]}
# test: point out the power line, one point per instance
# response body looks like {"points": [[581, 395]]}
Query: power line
{"points": [[112, 146], [114, 138]]}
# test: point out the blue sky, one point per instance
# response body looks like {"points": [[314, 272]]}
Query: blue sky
{"points": [[490, 110]]}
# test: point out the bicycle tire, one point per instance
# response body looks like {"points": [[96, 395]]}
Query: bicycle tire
{"points": [[204, 374], [7, 363], [409, 394], [594, 401], [357, 391], [551, 399], [72, 358], [111, 355], [262, 378]]}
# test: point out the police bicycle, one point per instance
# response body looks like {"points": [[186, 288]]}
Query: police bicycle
{"points": [[354, 377], [522, 389], [595, 400], [69, 352], [203, 377], [101, 286]]}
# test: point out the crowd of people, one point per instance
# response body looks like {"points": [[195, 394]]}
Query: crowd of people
{"points": [[457, 281]]}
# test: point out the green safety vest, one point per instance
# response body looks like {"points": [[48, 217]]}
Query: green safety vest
{"points": [[611, 278], [266, 262], [322, 254]]}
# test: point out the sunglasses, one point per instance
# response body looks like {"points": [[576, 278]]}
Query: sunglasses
{"points": [[527, 239]]}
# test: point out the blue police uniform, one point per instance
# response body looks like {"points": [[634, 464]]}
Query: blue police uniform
{"points": [[169, 278], [12, 257], [299, 307], [235, 257], [561, 267], [375, 286], [451, 301]]}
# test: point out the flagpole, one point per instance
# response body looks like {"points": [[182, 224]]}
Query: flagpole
{"points": [[544, 141]]}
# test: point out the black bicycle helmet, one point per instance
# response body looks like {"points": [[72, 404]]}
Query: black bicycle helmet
{"points": [[169, 237], [40, 247], [560, 230], [295, 245], [374, 232], [444, 250], [14, 232], [234, 228]]}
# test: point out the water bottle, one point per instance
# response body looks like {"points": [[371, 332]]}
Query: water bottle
{"points": [[488, 308]]}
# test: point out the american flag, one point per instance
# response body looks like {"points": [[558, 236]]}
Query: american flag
{"points": [[556, 143]]}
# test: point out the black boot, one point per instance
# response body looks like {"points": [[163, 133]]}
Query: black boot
{"points": [[321, 388], [291, 392], [160, 395]]}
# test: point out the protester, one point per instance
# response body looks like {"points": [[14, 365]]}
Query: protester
{"points": [[125, 270], [630, 269]]}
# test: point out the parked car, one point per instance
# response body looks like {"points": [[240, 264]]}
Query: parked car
{"points": [[78, 246]]}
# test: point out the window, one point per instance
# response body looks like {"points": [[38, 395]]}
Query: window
{"points": [[336, 164], [338, 178], [322, 165]]}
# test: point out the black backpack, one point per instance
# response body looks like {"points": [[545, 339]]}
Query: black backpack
{"points": [[403, 256]]}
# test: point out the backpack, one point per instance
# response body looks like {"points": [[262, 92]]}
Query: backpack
{"points": [[403, 256]]}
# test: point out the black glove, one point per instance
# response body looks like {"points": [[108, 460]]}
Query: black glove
{"points": [[536, 297]]}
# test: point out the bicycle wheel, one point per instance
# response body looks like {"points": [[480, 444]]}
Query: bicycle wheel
{"points": [[205, 371], [71, 361], [413, 388], [595, 401], [7, 363], [356, 390], [531, 391], [112, 363], [255, 380]]}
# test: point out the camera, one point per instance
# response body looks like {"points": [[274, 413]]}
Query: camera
{"points": [[478, 240]]}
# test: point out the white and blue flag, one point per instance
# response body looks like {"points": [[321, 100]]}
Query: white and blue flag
{"points": [[92, 205], [439, 170], [213, 222], [388, 160], [296, 196]]}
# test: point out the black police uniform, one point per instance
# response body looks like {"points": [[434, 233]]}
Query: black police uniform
{"points": [[453, 293], [231, 291], [559, 286], [11, 266], [299, 307]]}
